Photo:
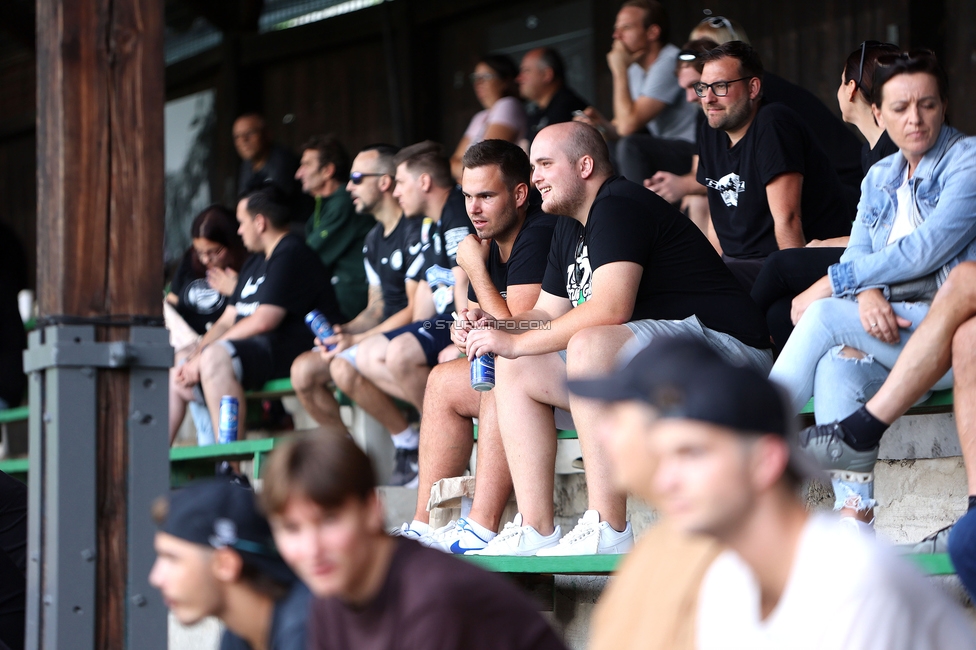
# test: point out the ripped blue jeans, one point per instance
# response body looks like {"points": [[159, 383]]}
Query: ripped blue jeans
{"points": [[811, 364]]}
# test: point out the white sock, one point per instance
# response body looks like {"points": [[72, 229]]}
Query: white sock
{"points": [[419, 527], [409, 438], [480, 530]]}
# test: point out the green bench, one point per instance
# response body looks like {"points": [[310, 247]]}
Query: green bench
{"points": [[939, 402]]}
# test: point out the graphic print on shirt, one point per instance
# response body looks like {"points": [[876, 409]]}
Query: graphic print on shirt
{"points": [[579, 276], [203, 298], [250, 288], [729, 186]]}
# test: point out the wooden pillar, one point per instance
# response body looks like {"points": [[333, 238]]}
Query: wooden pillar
{"points": [[100, 94]]}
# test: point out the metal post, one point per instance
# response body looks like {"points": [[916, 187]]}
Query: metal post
{"points": [[63, 363]]}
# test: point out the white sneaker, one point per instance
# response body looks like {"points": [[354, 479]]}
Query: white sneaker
{"points": [[405, 530], [593, 537], [516, 539], [459, 539]]}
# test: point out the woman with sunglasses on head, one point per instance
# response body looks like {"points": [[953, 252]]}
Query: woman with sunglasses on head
{"points": [[197, 296], [788, 272], [503, 117], [916, 221]]}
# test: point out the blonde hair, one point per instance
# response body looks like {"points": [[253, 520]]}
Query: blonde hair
{"points": [[720, 29]]}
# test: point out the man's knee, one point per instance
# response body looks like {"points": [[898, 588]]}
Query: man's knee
{"points": [[594, 349], [403, 354], [964, 345], [371, 355], [215, 360], [344, 374], [960, 286], [308, 371]]}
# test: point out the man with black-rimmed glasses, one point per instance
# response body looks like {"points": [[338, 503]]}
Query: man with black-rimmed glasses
{"points": [[770, 185]]}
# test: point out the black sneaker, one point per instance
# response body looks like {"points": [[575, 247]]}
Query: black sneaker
{"points": [[825, 442], [406, 464]]}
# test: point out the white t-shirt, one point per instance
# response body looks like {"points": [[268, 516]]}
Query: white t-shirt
{"points": [[508, 111], [843, 593], [903, 224], [679, 119]]}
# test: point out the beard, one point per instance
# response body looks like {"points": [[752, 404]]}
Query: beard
{"points": [[567, 201], [733, 118]]}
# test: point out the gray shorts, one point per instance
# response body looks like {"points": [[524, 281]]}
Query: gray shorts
{"points": [[734, 350]]}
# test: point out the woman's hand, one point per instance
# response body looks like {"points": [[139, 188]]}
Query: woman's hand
{"points": [[878, 318], [224, 281], [818, 290]]}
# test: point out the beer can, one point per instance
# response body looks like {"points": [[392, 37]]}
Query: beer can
{"points": [[483, 372], [227, 420], [320, 326]]}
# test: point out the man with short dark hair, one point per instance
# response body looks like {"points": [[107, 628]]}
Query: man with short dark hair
{"points": [[388, 251], [397, 362], [624, 269], [542, 82], [505, 264], [334, 231], [653, 122], [374, 591], [263, 328], [770, 185], [215, 556], [725, 467], [264, 162]]}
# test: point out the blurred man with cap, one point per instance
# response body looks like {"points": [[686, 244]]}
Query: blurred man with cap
{"points": [[215, 556], [724, 466]]}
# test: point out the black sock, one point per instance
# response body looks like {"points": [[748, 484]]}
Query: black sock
{"points": [[863, 431], [972, 502]]}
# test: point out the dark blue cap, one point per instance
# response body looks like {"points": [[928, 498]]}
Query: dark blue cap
{"points": [[220, 513]]}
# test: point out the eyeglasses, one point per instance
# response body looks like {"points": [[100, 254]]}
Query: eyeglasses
{"points": [[357, 177], [906, 59], [717, 22], [482, 77], [720, 88], [209, 254]]}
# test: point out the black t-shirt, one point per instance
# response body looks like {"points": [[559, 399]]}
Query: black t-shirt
{"points": [[835, 138], [279, 170], [434, 601], [289, 622], [777, 142], [560, 109], [527, 262], [387, 260], [883, 148], [438, 254], [292, 278], [682, 275], [199, 304], [13, 337]]}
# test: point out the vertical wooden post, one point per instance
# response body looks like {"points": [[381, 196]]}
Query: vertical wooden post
{"points": [[100, 80]]}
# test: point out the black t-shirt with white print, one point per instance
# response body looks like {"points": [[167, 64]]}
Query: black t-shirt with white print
{"points": [[527, 262], [387, 260], [294, 279], [777, 142], [682, 275], [438, 254], [199, 304]]}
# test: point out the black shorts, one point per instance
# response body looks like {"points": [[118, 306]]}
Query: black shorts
{"points": [[433, 335], [257, 362]]}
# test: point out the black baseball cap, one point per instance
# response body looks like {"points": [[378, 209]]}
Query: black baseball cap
{"points": [[220, 513], [682, 377]]}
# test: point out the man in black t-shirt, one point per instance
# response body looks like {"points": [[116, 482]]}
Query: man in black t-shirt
{"points": [[542, 82], [263, 329], [264, 163], [215, 556], [770, 186], [625, 268], [373, 591], [505, 264], [388, 252], [398, 361]]}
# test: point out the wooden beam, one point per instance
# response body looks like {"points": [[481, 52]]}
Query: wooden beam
{"points": [[100, 222]]}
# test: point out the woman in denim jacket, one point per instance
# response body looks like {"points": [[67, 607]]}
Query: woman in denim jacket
{"points": [[915, 221]]}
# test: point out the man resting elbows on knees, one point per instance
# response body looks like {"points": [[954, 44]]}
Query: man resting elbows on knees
{"points": [[372, 590], [215, 557], [625, 268], [505, 264], [725, 469], [263, 329]]}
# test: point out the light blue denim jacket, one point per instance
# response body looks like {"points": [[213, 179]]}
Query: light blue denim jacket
{"points": [[944, 189]]}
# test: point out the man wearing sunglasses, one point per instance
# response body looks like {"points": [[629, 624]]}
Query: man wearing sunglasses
{"points": [[770, 185], [334, 231]]}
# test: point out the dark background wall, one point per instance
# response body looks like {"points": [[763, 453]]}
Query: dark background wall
{"points": [[398, 72]]}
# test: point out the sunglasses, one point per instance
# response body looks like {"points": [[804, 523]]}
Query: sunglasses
{"points": [[357, 177], [906, 59], [717, 22], [720, 88]]}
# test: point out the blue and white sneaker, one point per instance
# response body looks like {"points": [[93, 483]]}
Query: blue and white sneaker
{"points": [[460, 537], [411, 530]]}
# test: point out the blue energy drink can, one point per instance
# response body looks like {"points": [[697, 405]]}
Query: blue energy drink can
{"points": [[320, 326], [483, 372], [227, 420]]}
